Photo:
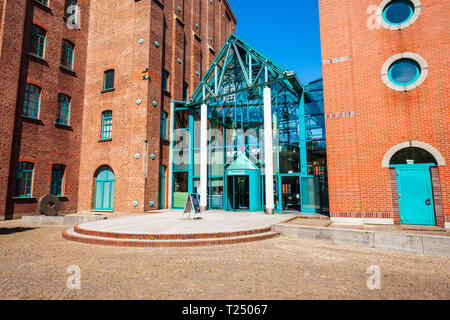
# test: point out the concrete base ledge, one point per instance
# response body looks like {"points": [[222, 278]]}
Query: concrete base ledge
{"points": [[58, 220], [424, 244]]}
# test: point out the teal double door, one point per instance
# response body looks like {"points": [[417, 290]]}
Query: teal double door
{"points": [[415, 194], [243, 190]]}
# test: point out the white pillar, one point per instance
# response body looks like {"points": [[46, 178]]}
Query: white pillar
{"points": [[171, 130], [268, 150], [204, 157]]}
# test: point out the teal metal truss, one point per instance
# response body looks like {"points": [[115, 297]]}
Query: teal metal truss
{"points": [[239, 67], [232, 88]]}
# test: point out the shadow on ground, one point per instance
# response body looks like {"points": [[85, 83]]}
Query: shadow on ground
{"points": [[4, 231]]}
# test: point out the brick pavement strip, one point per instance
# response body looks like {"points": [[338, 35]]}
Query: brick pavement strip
{"points": [[34, 265]]}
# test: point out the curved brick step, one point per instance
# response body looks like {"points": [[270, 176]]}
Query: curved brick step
{"points": [[70, 234], [183, 236]]}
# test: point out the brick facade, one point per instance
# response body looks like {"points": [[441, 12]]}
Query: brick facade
{"points": [[371, 117], [108, 39], [183, 50], [40, 141]]}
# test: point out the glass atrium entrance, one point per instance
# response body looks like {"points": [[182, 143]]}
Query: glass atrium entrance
{"points": [[218, 144]]}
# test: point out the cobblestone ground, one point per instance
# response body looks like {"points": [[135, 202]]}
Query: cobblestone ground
{"points": [[34, 262]]}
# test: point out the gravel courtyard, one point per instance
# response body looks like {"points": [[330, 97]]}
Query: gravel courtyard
{"points": [[34, 264]]}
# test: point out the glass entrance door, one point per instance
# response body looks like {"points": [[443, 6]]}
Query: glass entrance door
{"points": [[290, 193], [238, 192]]}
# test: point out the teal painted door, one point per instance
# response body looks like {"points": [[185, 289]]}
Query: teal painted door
{"points": [[415, 194], [104, 189]]}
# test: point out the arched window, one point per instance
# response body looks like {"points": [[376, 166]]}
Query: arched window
{"points": [[107, 124], [31, 101], [412, 156], [104, 189]]}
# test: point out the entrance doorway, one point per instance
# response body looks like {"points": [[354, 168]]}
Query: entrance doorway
{"points": [[414, 187], [238, 193], [290, 193], [415, 194], [104, 189], [243, 185]]}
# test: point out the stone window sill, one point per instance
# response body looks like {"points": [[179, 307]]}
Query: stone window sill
{"points": [[108, 90]]}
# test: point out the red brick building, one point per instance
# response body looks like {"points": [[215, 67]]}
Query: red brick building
{"points": [[64, 63], [385, 70], [38, 137]]}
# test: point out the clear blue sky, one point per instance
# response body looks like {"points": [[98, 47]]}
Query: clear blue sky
{"points": [[287, 31]]}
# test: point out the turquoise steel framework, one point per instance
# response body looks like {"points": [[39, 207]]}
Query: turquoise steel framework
{"points": [[233, 91]]}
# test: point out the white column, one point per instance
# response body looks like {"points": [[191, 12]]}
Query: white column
{"points": [[171, 128], [268, 150], [204, 157]]}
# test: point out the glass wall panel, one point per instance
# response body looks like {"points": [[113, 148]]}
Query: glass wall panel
{"points": [[181, 119], [217, 193], [216, 162], [311, 193], [289, 158], [181, 160], [180, 189]]}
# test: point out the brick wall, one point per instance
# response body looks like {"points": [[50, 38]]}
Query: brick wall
{"points": [[41, 141], [115, 30], [353, 56], [12, 17]]}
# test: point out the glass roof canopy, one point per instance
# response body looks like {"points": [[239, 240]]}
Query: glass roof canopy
{"points": [[238, 68]]}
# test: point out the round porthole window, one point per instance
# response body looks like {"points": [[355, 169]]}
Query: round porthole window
{"points": [[404, 71], [398, 14]]}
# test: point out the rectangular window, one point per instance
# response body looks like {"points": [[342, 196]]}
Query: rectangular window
{"points": [[106, 124], [57, 179], [109, 80], [31, 101], [70, 9], [165, 80], [44, 2], [185, 91], [62, 116], [163, 125], [67, 54], [24, 179], [37, 41]]}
